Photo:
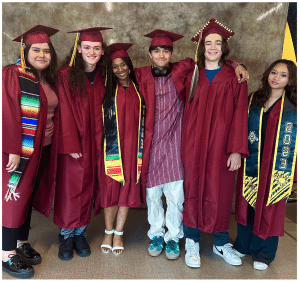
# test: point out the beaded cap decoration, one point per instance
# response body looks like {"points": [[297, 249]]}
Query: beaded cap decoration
{"points": [[213, 26]]}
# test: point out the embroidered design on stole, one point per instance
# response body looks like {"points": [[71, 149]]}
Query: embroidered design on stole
{"points": [[30, 107], [285, 154]]}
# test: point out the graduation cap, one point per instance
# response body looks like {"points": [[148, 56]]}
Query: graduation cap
{"points": [[117, 50], [213, 26], [162, 37], [37, 34], [92, 34]]}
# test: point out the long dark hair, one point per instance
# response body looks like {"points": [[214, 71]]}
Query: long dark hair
{"points": [[77, 74], [261, 96], [225, 52], [50, 73], [110, 91]]}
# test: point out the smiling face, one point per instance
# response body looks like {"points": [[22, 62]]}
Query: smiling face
{"points": [[161, 57], [91, 52], [39, 56], [279, 77], [213, 47], [121, 71]]}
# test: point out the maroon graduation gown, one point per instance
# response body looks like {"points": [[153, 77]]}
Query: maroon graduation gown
{"points": [[80, 132], [147, 89], [215, 125], [114, 193], [268, 220], [14, 212]]}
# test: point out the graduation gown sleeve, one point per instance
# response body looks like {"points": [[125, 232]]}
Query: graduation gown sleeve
{"points": [[11, 111], [239, 125]]}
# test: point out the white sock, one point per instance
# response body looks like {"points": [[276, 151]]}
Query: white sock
{"points": [[20, 243], [8, 256]]}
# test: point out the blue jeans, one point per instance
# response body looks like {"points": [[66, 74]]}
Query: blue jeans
{"points": [[220, 238], [72, 232]]}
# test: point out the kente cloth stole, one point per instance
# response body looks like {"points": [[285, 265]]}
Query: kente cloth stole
{"points": [[284, 154], [112, 148], [30, 107]]}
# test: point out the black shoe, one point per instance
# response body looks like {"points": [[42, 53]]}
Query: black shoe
{"points": [[66, 247], [81, 246], [28, 254], [17, 267]]}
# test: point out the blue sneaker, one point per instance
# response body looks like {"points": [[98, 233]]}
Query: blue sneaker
{"points": [[156, 246], [172, 250]]}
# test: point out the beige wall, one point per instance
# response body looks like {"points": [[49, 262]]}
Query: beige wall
{"points": [[258, 41]]}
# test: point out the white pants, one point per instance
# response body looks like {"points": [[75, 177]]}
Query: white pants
{"points": [[156, 217]]}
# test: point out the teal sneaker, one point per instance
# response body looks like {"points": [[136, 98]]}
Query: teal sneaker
{"points": [[172, 250], [156, 246]]}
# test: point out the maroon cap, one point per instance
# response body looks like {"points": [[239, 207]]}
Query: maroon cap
{"points": [[163, 37], [92, 34], [37, 34], [213, 26], [117, 50]]}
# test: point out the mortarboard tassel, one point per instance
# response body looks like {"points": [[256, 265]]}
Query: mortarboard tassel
{"points": [[195, 76], [23, 64], [74, 50]]}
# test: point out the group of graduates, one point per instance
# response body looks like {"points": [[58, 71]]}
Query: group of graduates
{"points": [[101, 134]]}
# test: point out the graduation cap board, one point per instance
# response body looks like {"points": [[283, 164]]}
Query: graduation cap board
{"points": [[163, 37], [118, 50]]}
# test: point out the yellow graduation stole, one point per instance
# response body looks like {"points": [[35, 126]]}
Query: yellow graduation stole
{"points": [[112, 148]]}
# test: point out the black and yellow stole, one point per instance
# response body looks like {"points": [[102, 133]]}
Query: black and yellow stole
{"points": [[284, 154]]}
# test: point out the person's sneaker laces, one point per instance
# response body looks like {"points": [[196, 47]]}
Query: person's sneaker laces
{"points": [[192, 256], [156, 246], [228, 254], [172, 250]]}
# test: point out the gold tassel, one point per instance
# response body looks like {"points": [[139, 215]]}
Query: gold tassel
{"points": [[23, 65], [74, 50]]}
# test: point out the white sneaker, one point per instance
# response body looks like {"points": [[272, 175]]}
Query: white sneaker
{"points": [[192, 256], [228, 254], [258, 265]]}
